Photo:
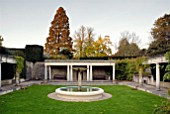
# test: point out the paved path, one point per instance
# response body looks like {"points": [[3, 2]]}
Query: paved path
{"points": [[163, 92]]}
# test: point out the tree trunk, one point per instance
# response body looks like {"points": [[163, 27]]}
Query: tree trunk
{"points": [[17, 78]]}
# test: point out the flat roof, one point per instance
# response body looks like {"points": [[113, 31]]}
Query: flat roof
{"points": [[52, 62], [79, 61]]}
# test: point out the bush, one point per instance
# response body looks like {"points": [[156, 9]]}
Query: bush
{"points": [[34, 53], [125, 69], [4, 50], [163, 109]]}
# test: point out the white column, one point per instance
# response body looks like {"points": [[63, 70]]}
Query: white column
{"points": [[68, 73], [88, 73], [71, 73], [0, 75], [45, 72], [91, 73], [113, 72], [157, 76], [49, 69]]}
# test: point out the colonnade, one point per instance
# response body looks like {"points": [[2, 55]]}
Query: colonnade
{"points": [[69, 74]]}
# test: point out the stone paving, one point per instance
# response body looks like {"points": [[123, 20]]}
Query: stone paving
{"points": [[163, 92]]}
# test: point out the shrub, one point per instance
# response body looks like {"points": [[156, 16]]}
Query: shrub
{"points": [[34, 53], [163, 109], [167, 74], [125, 69]]}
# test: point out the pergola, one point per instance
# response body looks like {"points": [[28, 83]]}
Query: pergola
{"points": [[157, 60], [89, 64], [5, 59]]}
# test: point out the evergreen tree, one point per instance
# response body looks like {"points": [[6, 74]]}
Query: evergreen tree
{"points": [[128, 45], [59, 41]]}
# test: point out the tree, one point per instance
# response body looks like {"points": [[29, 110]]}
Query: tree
{"points": [[158, 46], [19, 67], [140, 67], [86, 46], [128, 45], [59, 32], [1, 40], [102, 47], [131, 37], [161, 28], [84, 39], [89, 41], [79, 40], [161, 35]]}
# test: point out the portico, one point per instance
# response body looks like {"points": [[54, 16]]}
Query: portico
{"points": [[68, 65], [157, 60]]}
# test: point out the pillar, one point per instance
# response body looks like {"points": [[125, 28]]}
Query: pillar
{"points": [[68, 73], [113, 72], [49, 72], [88, 79], [140, 77], [45, 72], [157, 76], [91, 73], [71, 73]]}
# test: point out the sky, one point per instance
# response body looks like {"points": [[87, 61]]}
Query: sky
{"points": [[27, 22]]}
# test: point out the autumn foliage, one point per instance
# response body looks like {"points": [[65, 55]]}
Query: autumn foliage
{"points": [[59, 40], [161, 35]]}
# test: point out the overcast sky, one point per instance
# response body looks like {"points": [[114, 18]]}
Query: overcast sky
{"points": [[27, 21]]}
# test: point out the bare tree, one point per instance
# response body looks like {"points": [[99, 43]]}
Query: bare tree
{"points": [[131, 37], [79, 40], [128, 45], [83, 42]]}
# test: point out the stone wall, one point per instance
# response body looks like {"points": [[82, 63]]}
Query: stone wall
{"points": [[38, 70], [150, 80], [145, 79], [29, 70], [34, 71]]}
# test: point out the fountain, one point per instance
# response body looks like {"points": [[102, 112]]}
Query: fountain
{"points": [[79, 92]]}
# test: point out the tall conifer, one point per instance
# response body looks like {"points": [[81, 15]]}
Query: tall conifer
{"points": [[59, 41]]}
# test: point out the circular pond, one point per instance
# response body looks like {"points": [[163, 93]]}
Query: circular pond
{"points": [[85, 93]]}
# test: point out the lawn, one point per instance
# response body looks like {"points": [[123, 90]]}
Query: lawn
{"points": [[34, 100]]}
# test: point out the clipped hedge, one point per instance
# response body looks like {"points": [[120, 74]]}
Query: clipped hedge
{"points": [[34, 53], [4, 50]]}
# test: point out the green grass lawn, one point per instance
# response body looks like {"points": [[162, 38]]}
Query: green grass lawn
{"points": [[34, 100]]}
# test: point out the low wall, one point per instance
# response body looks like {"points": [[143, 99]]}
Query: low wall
{"points": [[150, 80], [10, 81]]}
